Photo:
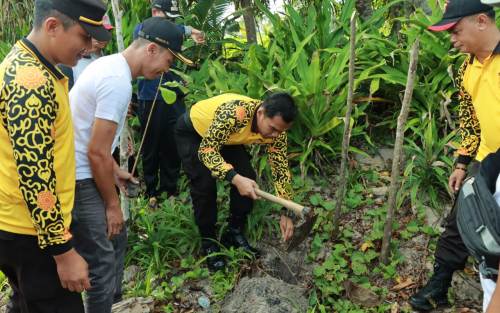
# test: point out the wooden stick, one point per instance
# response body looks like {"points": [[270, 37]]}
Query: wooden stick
{"points": [[347, 129], [298, 209], [147, 126], [398, 148]]}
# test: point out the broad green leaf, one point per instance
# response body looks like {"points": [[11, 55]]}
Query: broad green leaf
{"points": [[168, 95], [328, 126]]}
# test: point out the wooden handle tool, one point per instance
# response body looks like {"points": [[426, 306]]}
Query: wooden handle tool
{"points": [[298, 209]]}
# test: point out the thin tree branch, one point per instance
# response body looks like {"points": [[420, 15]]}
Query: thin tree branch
{"points": [[398, 148], [347, 129]]}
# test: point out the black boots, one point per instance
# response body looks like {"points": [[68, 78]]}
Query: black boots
{"points": [[234, 238], [435, 292], [214, 262]]}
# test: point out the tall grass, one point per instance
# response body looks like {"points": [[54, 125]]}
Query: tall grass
{"points": [[15, 19]]}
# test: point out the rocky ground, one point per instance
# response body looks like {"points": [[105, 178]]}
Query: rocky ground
{"points": [[280, 282], [466, 293]]}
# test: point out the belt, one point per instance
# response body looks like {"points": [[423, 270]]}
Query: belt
{"points": [[84, 182]]}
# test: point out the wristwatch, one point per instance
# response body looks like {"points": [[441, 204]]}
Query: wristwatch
{"points": [[288, 213]]}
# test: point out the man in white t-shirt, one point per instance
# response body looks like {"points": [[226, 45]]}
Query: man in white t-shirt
{"points": [[99, 102]]}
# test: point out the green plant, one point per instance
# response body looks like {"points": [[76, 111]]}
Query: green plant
{"points": [[160, 236], [4, 49], [429, 164], [16, 19]]}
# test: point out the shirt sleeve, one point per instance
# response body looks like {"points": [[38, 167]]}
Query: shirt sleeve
{"points": [[31, 111], [228, 118], [279, 167], [470, 131]]}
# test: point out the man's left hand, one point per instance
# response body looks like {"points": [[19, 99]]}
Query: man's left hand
{"points": [[121, 179], [286, 226]]}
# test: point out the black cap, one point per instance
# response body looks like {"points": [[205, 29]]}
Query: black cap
{"points": [[88, 13], [166, 34], [170, 7], [455, 10]]}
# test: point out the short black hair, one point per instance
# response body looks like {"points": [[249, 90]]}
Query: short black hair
{"points": [[45, 9], [281, 104]]}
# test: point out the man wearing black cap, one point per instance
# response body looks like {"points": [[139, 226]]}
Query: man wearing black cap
{"points": [[37, 160], [169, 9], [472, 29], [160, 160], [99, 102]]}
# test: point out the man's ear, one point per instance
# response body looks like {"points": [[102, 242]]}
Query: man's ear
{"points": [[260, 112], [152, 48], [482, 21], [51, 26]]}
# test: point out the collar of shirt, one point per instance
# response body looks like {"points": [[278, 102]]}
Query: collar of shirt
{"points": [[49, 66]]}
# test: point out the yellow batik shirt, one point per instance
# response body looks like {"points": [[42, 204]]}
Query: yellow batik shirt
{"points": [[37, 161], [479, 109], [227, 120]]}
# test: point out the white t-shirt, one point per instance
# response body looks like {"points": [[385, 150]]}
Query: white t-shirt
{"points": [[103, 90], [82, 65]]}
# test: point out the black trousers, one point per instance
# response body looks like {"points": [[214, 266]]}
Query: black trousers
{"points": [[450, 250], [203, 185], [160, 160], [32, 274]]}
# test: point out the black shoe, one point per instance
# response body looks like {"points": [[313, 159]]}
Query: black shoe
{"points": [[235, 238], [435, 292], [215, 262]]}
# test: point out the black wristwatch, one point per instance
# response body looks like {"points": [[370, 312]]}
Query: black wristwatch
{"points": [[288, 213]]}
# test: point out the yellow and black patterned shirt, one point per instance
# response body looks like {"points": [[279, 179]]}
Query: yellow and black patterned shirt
{"points": [[227, 120], [37, 162], [479, 109]]}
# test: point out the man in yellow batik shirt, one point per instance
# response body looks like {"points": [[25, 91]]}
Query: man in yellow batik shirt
{"points": [[472, 28], [37, 159], [211, 138]]}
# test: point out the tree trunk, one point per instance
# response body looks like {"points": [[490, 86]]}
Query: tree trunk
{"points": [[124, 135], [398, 148], [364, 8], [249, 19], [347, 129]]}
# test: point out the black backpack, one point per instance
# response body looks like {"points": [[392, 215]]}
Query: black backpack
{"points": [[478, 215]]}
